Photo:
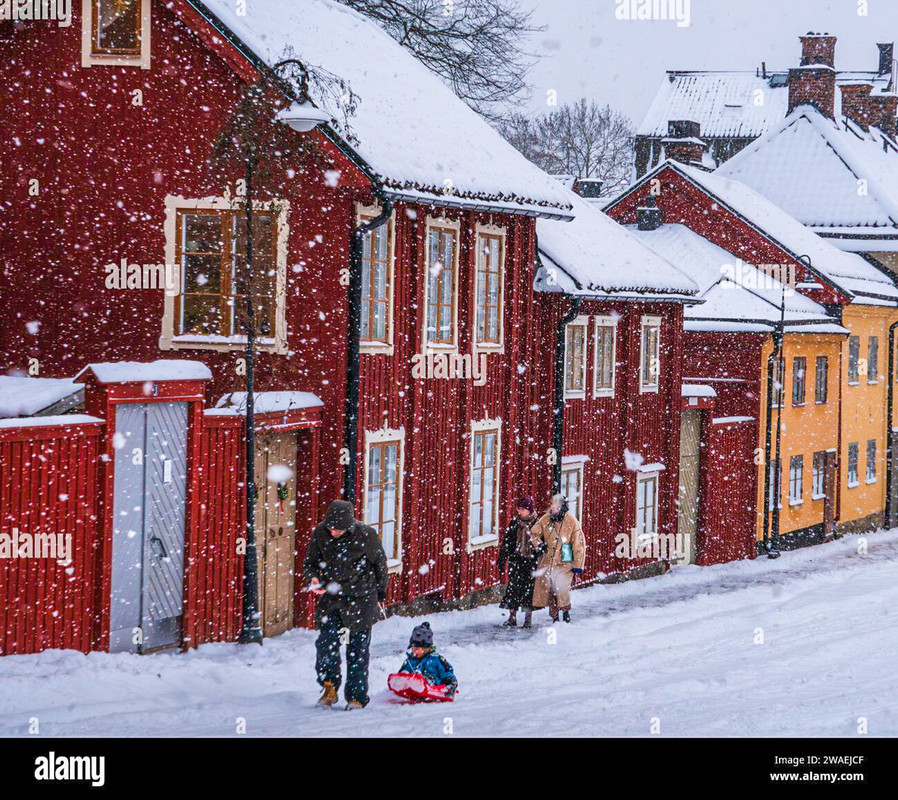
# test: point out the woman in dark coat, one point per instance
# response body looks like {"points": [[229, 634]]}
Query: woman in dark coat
{"points": [[518, 553]]}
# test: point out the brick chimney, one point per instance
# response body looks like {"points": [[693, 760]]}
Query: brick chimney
{"points": [[649, 215], [858, 106], [813, 82], [684, 142]]}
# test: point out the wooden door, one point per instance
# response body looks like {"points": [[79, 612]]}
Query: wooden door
{"points": [[687, 512], [276, 529]]}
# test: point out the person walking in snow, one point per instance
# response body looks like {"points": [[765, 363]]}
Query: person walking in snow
{"points": [[558, 537], [346, 566], [517, 552]]}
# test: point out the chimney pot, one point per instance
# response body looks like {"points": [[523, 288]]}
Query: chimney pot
{"points": [[886, 55]]}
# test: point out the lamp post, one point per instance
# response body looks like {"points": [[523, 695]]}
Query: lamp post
{"points": [[301, 117]]}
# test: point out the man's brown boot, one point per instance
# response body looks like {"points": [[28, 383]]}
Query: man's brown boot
{"points": [[329, 696]]}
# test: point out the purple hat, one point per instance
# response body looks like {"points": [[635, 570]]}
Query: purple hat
{"points": [[526, 502]]}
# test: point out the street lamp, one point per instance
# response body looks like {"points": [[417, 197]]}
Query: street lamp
{"points": [[302, 117]]}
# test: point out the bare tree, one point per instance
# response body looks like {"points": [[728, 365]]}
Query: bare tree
{"points": [[582, 139], [476, 46]]}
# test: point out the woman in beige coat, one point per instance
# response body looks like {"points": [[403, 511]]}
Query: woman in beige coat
{"points": [[559, 538]]}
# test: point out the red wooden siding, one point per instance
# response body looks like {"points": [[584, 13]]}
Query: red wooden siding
{"points": [[602, 428], [436, 414], [49, 484]]}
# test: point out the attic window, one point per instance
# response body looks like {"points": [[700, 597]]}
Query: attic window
{"points": [[116, 32]]}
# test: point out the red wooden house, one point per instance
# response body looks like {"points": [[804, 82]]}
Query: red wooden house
{"points": [[619, 308], [113, 121]]}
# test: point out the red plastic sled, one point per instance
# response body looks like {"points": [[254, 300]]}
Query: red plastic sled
{"points": [[414, 688]]}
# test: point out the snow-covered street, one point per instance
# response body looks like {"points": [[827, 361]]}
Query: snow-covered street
{"points": [[680, 648]]}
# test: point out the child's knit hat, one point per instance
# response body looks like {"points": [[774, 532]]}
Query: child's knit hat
{"points": [[422, 636]]}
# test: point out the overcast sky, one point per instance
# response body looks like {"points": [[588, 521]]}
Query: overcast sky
{"points": [[586, 52]]}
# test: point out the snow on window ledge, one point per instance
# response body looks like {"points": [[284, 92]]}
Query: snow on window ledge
{"points": [[853, 484], [394, 565], [871, 480], [818, 497], [480, 542], [796, 502]]}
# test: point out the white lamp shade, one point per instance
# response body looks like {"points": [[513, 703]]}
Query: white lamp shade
{"points": [[302, 117]]}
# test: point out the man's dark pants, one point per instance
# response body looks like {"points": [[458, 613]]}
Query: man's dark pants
{"points": [[328, 663]]}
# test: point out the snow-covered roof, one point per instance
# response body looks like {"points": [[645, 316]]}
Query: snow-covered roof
{"points": [[813, 167], [848, 271], [22, 396], [174, 369], [723, 103], [268, 402], [733, 291], [697, 390], [418, 137], [594, 255]]}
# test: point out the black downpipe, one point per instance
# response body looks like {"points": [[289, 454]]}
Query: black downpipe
{"points": [[888, 522], [353, 332], [558, 421]]}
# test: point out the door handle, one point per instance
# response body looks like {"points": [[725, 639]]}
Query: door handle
{"points": [[158, 545]]}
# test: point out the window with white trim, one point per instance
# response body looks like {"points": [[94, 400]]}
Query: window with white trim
{"points": [[821, 379], [647, 502], [483, 490], [488, 297], [774, 477], [377, 280], [115, 32], [871, 461], [799, 368], [383, 490], [796, 479], [853, 458], [442, 284], [873, 359], [779, 381], [604, 356], [818, 485], [575, 358], [854, 357], [572, 487], [650, 354]]}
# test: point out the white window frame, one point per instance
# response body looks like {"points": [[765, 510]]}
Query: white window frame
{"points": [[483, 426], [818, 475], [575, 464], [500, 232], [90, 59], [168, 339], [362, 213], [578, 322], [644, 387], [641, 479], [867, 465], [430, 224], [857, 464], [383, 436], [604, 322], [796, 481]]}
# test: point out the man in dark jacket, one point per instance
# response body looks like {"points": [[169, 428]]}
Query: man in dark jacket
{"points": [[346, 567]]}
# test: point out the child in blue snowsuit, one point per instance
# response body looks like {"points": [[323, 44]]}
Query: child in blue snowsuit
{"points": [[422, 657]]}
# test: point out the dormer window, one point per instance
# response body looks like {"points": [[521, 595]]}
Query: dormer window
{"points": [[116, 32]]}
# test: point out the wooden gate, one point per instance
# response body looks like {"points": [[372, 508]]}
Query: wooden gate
{"points": [[687, 513]]}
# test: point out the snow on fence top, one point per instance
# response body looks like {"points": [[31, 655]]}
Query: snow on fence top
{"points": [[411, 129], [601, 256], [63, 420], [826, 174], [723, 103], [137, 371], [268, 402], [851, 273], [23, 396]]}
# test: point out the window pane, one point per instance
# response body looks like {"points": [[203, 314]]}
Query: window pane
{"points": [[117, 26], [202, 315]]}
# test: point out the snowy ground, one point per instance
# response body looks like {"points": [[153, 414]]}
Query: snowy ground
{"points": [[680, 648]]}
